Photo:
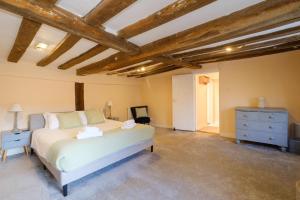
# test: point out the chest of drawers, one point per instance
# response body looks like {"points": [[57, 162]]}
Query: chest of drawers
{"points": [[268, 125], [11, 140]]}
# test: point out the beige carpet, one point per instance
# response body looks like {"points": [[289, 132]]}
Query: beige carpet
{"points": [[184, 166]]}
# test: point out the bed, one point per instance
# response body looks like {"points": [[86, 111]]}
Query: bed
{"points": [[69, 159]]}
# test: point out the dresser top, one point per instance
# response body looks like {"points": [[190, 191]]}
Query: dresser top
{"points": [[255, 109]]}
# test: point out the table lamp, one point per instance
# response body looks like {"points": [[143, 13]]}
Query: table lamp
{"points": [[109, 104], [16, 108]]}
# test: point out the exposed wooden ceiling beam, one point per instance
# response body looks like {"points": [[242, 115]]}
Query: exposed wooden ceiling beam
{"points": [[158, 71], [249, 47], [26, 33], [66, 21], [157, 64], [106, 10], [84, 56], [173, 11], [174, 61], [288, 46], [157, 67], [259, 17], [102, 12], [240, 43], [67, 43], [133, 68]]}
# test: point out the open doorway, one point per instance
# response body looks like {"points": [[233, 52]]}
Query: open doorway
{"points": [[207, 102]]}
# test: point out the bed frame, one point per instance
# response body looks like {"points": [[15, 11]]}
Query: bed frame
{"points": [[36, 121]]}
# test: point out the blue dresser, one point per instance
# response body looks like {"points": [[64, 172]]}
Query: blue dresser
{"points": [[267, 125]]}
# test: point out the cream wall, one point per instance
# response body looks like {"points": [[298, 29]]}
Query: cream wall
{"points": [[276, 77], [34, 95], [46, 89], [157, 94], [122, 97]]}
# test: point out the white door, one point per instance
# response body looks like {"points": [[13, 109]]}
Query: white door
{"points": [[184, 105]]}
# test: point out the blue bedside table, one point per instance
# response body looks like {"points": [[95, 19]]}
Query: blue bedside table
{"points": [[11, 140]]}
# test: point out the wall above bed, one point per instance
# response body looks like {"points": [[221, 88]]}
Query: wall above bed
{"points": [[48, 90]]}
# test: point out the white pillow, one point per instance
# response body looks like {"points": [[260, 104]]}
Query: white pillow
{"points": [[46, 119], [51, 121], [83, 118]]}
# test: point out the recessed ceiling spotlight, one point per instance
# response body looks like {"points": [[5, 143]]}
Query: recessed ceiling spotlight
{"points": [[143, 69], [240, 47], [228, 49], [41, 46], [138, 70]]}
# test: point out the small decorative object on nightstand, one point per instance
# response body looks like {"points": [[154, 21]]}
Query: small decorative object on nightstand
{"points": [[109, 105], [11, 140]]}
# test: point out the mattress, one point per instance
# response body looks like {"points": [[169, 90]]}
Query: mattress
{"points": [[64, 152]]}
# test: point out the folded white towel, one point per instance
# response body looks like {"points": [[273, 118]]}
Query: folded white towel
{"points": [[88, 132], [128, 124]]}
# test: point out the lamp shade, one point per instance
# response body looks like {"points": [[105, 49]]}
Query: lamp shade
{"points": [[15, 108], [109, 103]]}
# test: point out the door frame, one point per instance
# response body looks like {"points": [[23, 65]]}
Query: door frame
{"points": [[195, 88]]}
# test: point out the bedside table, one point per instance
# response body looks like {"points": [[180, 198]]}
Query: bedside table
{"points": [[11, 140]]}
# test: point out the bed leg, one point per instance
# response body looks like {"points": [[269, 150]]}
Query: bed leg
{"points": [[151, 148], [31, 151], [65, 190]]}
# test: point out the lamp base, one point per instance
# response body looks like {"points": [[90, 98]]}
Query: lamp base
{"points": [[16, 129]]}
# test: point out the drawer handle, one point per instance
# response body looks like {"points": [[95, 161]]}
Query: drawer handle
{"points": [[17, 140], [270, 138], [245, 135], [245, 125], [16, 133], [245, 116], [270, 127], [270, 117]]}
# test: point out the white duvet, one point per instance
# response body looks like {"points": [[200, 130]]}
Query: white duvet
{"points": [[42, 139]]}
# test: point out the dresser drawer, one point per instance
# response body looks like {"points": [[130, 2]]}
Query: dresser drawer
{"points": [[273, 117], [247, 125], [15, 143], [243, 115], [262, 137], [243, 135], [276, 128], [6, 137], [279, 140]]}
